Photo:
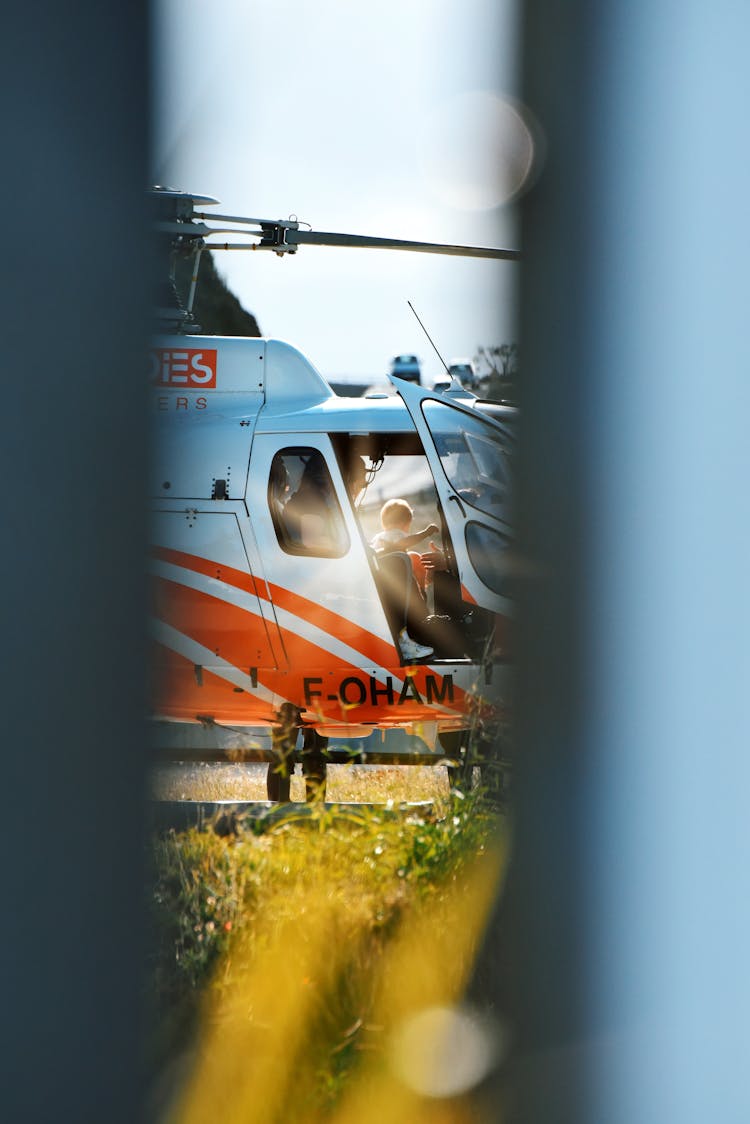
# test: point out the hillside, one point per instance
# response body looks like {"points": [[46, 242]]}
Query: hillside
{"points": [[216, 309]]}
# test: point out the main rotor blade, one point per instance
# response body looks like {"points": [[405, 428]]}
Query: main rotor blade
{"points": [[321, 238]]}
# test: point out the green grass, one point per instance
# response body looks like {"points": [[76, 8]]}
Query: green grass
{"points": [[284, 963]]}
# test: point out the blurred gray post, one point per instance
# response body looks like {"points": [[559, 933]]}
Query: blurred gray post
{"points": [[75, 291], [627, 921]]}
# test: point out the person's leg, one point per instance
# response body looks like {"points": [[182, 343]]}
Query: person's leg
{"points": [[283, 742]]}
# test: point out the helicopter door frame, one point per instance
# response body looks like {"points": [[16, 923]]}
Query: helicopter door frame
{"points": [[312, 590], [465, 522]]}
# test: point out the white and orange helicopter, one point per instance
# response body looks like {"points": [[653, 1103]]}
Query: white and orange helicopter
{"points": [[270, 607]]}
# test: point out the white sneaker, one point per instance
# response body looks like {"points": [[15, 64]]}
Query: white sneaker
{"points": [[410, 650]]}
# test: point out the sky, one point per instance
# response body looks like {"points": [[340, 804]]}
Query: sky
{"points": [[397, 119]]}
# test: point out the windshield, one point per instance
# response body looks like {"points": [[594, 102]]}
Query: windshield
{"points": [[475, 456]]}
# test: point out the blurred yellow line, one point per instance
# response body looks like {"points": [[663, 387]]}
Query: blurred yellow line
{"points": [[428, 966], [254, 1029], [253, 1033]]}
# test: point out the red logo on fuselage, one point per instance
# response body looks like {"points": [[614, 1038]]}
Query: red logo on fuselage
{"points": [[188, 368]]}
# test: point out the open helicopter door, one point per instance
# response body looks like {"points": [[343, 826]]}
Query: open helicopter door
{"points": [[470, 458]]}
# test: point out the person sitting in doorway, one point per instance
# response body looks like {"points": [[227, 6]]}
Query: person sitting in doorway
{"points": [[405, 569], [396, 519]]}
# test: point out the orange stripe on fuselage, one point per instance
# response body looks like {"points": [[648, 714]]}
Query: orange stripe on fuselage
{"points": [[327, 686], [182, 691], [239, 637], [238, 578], [376, 650], [179, 690], [232, 633]]}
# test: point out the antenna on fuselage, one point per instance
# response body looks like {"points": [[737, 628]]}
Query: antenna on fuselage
{"points": [[429, 337]]}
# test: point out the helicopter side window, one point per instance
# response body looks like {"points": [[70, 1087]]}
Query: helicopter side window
{"points": [[302, 501], [475, 458]]}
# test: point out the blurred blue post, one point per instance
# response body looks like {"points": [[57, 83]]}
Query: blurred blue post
{"points": [[627, 920], [75, 293]]}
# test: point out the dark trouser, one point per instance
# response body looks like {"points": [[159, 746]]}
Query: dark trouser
{"points": [[314, 762], [283, 743]]}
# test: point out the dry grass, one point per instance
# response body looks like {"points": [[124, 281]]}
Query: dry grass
{"points": [[358, 783]]}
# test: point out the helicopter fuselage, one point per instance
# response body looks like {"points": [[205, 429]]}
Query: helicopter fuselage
{"points": [[252, 613]]}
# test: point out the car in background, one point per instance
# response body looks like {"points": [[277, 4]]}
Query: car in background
{"points": [[406, 367], [442, 383], [463, 370]]}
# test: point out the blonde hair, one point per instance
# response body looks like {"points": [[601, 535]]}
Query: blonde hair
{"points": [[395, 513]]}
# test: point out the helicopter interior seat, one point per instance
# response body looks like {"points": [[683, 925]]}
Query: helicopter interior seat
{"points": [[406, 607], [476, 625], [401, 597]]}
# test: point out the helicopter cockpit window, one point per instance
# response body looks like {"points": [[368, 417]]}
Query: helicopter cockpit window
{"points": [[302, 500], [485, 549], [475, 457]]}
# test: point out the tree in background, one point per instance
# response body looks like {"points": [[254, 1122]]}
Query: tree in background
{"points": [[498, 366], [216, 309]]}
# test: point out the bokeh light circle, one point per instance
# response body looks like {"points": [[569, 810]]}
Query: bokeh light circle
{"points": [[477, 150], [445, 1051]]}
